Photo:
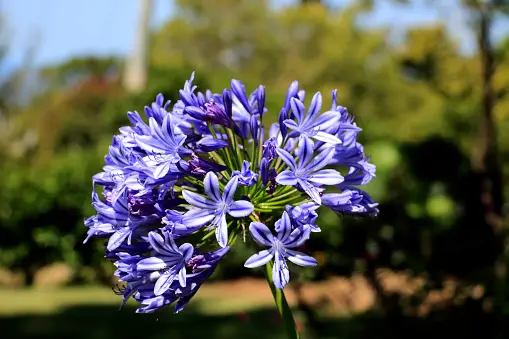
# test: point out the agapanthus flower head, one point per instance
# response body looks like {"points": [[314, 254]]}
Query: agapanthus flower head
{"points": [[183, 183]]}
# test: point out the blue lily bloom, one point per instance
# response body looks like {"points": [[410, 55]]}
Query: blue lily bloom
{"points": [[114, 220], [168, 259], [280, 248], [312, 124], [118, 160], [351, 201], [269, 149], [308, 173], [201, 166], [213, 208], [210, 144], [246, 176], [128, 274], [164, 144], [304, 214], [202, 266], [160, 187]]}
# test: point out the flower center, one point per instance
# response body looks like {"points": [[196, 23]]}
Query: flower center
{"points": [[301, 173], [278, 246], [222, 207]]}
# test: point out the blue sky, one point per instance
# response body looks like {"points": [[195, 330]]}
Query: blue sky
{"points": [[59, 29]]}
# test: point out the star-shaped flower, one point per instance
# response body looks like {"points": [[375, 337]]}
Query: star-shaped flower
{"points": [[280, 248], [213, 208]]}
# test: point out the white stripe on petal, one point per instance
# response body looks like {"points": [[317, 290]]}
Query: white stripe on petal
{"points": [[198, 200], [229, 189], [240, 208], [259, 259], [287, 158], [326, 177], [211, 186], [300, 258], [261, 234], [286, 178]]}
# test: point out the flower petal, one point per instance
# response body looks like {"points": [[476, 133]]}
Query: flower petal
{"points": [[240, 208], [286, 178], [297, 109], [150, 264], [222, 232], [326, 120], [298, 236], [300, 258], [198, 200], [259, 259], [117, 238], [326, 177], [284, 227], [327, 138], [310, 190], [159, 245], [287, 158], [197, 217], [186, 250], [163, 283], [315, 107], [280, 273], [261, 233], [306, 146], [211, 185], [321, 160], [182, 277], [229, 189], [240, 93], [291, 124]]}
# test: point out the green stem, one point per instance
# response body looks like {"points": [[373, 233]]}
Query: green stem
{"points": [[281, 197], [281, 304]]}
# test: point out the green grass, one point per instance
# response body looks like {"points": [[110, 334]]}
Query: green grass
{"points": [[50, 300], [92, 312]]}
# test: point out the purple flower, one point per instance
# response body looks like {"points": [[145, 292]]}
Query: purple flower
{"points": [[260, 100], [202, 266], [210, 144], [307, 172], [351, 201], [161, 193], [216, 110], [280, 248], [269, 149], [264, 171], [114, 220], [201, 166], [163, 145], [311, 124], [168, 259], [304, 214], [118, 160], [254, 127], [246, 176], [213, 208]]}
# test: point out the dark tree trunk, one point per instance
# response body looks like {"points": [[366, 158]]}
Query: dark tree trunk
{"points": [[487, 165], [486, 161]]}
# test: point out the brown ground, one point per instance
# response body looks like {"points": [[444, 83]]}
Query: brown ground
{"points": [[349, 295], [339, 294]]}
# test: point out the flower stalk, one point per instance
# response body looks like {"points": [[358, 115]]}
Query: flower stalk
{"points": [[282, 305]]}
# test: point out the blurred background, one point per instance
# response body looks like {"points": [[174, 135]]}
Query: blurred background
{"points": [[428, 81]]}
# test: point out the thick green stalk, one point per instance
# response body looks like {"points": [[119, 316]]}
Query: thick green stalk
{"points": [[282, 305]]}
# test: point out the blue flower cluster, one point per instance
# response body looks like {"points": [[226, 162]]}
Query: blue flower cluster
{"points": [[180, 187]]}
